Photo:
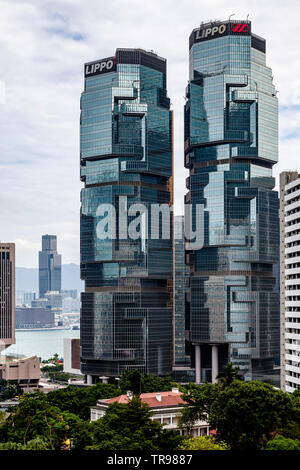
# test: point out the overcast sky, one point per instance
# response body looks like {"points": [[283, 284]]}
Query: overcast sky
{"points": [[43, 45]]}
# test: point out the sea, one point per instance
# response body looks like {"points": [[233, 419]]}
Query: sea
{"points": [[41, 343]]}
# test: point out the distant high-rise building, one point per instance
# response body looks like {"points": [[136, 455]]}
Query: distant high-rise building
{"points": [[7, 294], [28, 297], [73, 293], [49, 266], [290, 280], [231, 145], [126, 160]]}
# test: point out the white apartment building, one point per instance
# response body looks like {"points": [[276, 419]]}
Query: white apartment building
{"points": [[290, 280]]}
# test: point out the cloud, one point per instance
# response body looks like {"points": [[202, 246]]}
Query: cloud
{"points": [[43, 48]]}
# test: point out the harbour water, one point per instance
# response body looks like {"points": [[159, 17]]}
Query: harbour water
{"points": [[41, 343]]}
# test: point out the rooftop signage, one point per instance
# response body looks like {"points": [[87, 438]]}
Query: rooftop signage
{"points": [[100, 66], [218, 29]]}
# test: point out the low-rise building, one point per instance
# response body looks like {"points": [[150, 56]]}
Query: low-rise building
{"points": [[34, 317], [165, 406], [25, 371], [72, 356]]}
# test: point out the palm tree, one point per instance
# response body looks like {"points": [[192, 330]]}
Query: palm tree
{"points": [[229, 374]]}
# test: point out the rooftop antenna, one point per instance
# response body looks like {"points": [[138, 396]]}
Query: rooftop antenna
{"points": [[232, 14], [247, 17]]}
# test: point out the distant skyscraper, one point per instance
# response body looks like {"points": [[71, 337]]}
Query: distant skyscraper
{"points": [[7, 294], [290, 280], [49, 266], [126, 152], [28, 297], [231, 145]]}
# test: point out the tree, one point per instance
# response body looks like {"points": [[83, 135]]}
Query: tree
{"points": [[283, 443], [203, 443], [34, 418], [152, 383], [131, 380], [134, 382], [35, 444], [78, 400], [9, 389], [246, 415], [229, 374]]}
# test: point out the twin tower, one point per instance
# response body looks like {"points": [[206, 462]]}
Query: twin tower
{"points": [[137, 273]]}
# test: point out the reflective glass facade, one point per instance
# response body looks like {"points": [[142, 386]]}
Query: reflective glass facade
{"points": [[180, 289], [231, 135], [126, 151]]}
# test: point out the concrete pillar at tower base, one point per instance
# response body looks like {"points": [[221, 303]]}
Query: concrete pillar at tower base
{"points": [[214, 363], [198, 363], [104, 379], [89, 379]]}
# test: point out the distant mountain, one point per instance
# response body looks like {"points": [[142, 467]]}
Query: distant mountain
{"points": [[27, 279]]}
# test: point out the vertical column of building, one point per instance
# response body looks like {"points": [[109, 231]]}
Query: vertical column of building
{"points": [[231, 144], [180, 278], [7, 294], [126, 167], [290, 280]]}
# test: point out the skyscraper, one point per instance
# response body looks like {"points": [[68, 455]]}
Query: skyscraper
{"points": [[49, 266], [7, 294], [231, 146], [126, 159]]}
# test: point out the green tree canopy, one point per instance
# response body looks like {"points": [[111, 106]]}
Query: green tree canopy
{"points": [[283, 443], [203, 443], [244, 414], [134, 382], [229, 374]]}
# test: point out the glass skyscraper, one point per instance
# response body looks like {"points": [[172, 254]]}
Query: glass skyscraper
{"points": [[231, 144], [49, 266], [126, 158]]}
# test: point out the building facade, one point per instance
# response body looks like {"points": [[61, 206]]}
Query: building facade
{"points": [[34, 317], [126, 159], [182, 360], [7, 295], [231, 145], [28, 297], [72, 356], [49, 266], [23, 370], [290, 280]]}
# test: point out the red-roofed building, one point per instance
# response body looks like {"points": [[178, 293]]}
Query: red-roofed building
{"points": [[165, 406]]}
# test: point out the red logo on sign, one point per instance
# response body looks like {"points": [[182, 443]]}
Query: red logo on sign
{"points": [[239, 28]]}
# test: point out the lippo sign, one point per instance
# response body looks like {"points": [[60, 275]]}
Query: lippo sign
{"points": [[100, 66], [216, 30]]}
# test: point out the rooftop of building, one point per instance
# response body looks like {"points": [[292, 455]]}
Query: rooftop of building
{"points": [[232, 21], [153, 399], [207, 24], [14, 358]]}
